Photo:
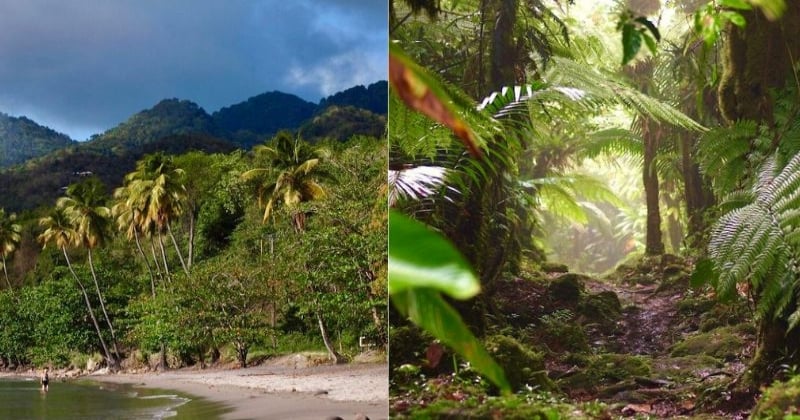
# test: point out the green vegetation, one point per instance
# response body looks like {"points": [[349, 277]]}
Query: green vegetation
{"points": [[179, 265], [652, 145]]}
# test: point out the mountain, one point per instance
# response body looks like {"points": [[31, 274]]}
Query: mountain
{"points": [[22, 139], [174, 126], [374, 98], [167, 118], [251, 122], [342, 122], [40, 181]]}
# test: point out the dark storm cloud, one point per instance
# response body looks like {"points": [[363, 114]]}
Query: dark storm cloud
{"points": [[83, 66]]}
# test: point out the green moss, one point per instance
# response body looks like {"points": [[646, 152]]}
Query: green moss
{"points": [[685, 366], [567, 288], [522, 365], [538, 406], [552, 267], [779, 400], [722, 343], [606, 369], [602, 308]]}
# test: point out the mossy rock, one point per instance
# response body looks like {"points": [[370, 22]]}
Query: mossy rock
{"points": [[693, 306], [564, 336], [686, 366], [567, 288], [602, 308], [779, 400], [723, 315], [606, 369], [522, 365], [552, 267], [722, 343]]}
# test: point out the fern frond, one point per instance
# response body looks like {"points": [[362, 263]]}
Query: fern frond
{"points": [[759, 242], [609, 89]]}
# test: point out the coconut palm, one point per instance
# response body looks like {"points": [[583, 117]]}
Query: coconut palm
{"points": [[297, 165], [58, 230], [83, 204], [128, 217], [9, 238], [157, 191]]}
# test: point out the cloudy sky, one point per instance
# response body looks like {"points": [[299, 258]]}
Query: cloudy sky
{"points": [[83, 66]]}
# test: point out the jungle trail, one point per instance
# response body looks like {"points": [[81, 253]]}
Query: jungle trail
{"points": [[699, 323]]}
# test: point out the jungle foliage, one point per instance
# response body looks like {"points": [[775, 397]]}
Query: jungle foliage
{"points": [[177, 265]]}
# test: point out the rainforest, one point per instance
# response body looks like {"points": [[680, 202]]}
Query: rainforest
{"points": [[594, 209]]}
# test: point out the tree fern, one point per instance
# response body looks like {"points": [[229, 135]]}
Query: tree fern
{"points": [[723, 154], [759, 243]]}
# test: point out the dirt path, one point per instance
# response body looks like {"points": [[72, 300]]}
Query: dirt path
{"points": [[651, 326]]}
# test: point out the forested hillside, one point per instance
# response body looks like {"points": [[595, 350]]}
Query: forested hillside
{"points": [[22, 139], [175, 126], [162, 244], [595, 209]]}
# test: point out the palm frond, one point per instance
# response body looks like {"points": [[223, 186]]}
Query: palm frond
{"points": [[415, 183], [606, 88]]}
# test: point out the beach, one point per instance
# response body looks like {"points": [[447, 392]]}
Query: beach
{"points": [[285, 388]]}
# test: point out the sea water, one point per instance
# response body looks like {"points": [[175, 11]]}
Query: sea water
{"points": [[24, 399]]}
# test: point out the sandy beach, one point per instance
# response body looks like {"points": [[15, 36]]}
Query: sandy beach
{"points": [[285, 388]]}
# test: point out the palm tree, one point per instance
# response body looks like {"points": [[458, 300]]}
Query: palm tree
{"points": [[59, 231], [9, 238], [128, 218], [156, 190], [296, 163], [83, 205]]}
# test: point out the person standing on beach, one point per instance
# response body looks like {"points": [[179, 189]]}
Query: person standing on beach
{"points": [[45, 380]]}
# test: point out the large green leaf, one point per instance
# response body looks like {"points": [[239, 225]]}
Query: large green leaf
{"points": [[420, 257], [426, 308]]}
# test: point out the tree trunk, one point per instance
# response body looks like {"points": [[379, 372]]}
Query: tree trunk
{"points": [[336, 357], [5, 272], [155, 258], [190, 257], [146, 262], [504, 56], [654, 245], [177, 250], [776, 348], [697, 194], [103, 305], [112, 362], [163, 254], [162, 363]]}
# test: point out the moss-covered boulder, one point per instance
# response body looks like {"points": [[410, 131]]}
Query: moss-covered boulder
{"points": [[552, 267], [779, 401], [603, 309], [522, 365], [567, 288], [722, 343], [606, 369]]}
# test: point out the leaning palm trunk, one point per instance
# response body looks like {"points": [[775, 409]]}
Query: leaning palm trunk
{"points": [[112, 362], [155, 259], [163, 253], [103, 305], [177, 249], [146, 263], [336, 357], [5, 272]]}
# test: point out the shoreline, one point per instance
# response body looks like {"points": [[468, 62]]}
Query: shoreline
{"points": [[278, 389]]}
